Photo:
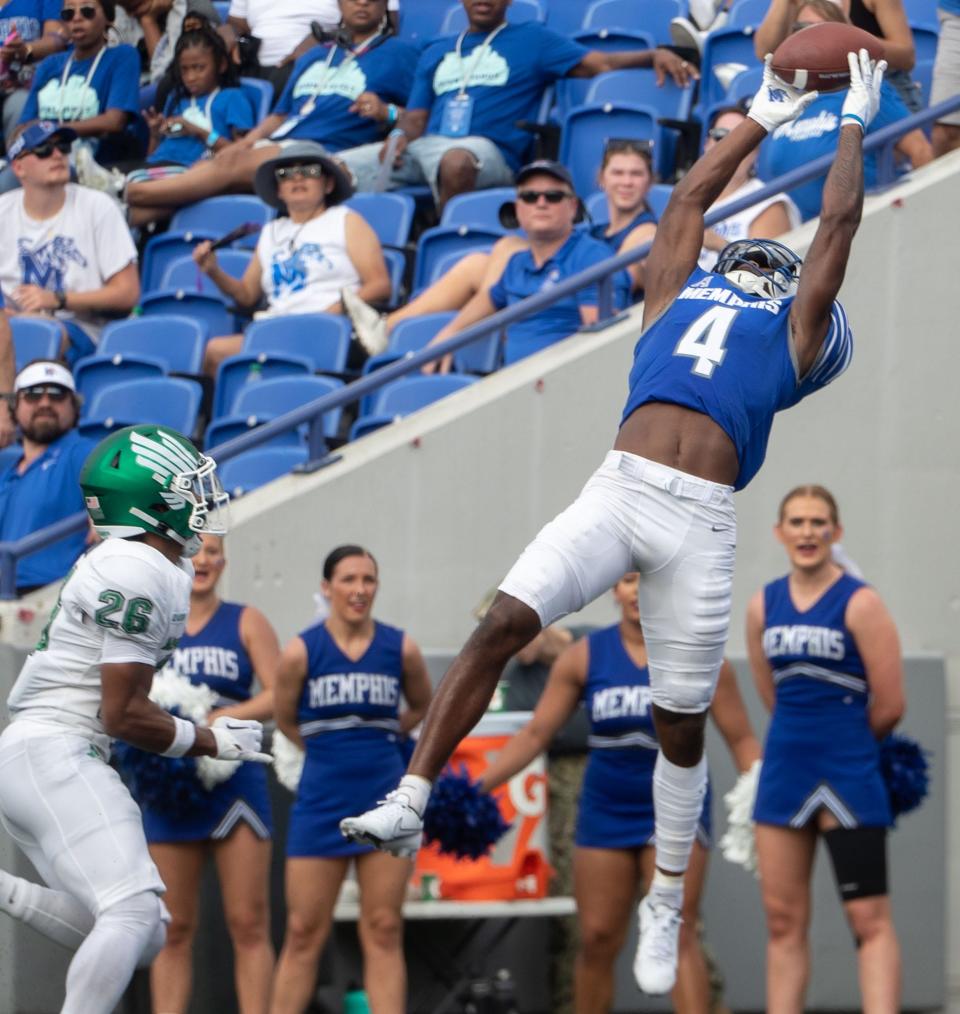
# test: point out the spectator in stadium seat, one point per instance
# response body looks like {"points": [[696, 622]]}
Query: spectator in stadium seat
{"points": [[339, 95], [7, 365], [68, 252], [815, 132], [547, 208], [765, 220], [42, 486], [459, 131], [946, 77], [305, 258]]}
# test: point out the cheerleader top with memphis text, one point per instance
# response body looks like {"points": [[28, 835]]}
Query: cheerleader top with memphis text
{"points": [[215, 656]]}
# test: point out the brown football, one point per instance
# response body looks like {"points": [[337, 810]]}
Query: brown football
{"points": [[815, 58]]}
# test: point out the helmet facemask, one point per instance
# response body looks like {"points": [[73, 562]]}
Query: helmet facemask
{"points": [[760, 267]]}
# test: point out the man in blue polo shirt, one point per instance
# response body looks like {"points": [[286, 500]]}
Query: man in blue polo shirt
{"points": [[459, 131], [43, 485], [547, 208]]}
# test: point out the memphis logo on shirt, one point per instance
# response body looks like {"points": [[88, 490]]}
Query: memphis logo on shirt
{"points": [[802, 639], [208, 660], [347, 80], [620, 702], [484, 66], [46, 265], [355, 688], [290, 272]]}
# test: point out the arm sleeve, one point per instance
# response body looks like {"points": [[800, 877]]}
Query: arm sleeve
{"points": [[421, 94], [834, 356], [232, 111], [558, 54], [113, 242], [123, 81]]}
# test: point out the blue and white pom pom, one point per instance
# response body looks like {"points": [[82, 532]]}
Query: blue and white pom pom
{"points": [[287, 760], [906, 772], [739, 843], [460, 819]]}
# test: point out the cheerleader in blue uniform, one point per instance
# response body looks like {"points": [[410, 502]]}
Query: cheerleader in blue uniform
{"points": [[225, 645], [826, 658], [338, 697], [614, 856]]}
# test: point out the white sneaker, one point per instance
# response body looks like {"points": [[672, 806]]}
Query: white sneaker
{"points": [[394, 826], [91, 174], [685, 35], [655, 965], [704, 12], [369, 324]]}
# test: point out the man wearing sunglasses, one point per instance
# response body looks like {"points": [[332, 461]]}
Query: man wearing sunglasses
{"points": [[546, 210], [43, 485], [67, 252]]}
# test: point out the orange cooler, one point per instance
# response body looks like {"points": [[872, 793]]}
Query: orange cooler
{"points": [[518, 866]]}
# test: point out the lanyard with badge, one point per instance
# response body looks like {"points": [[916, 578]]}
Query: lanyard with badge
{"points": [[458, 111], [329, 71], [202, 118], [65, 76]]}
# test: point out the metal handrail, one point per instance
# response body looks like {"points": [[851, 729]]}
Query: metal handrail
{"points": [[602, 273]]}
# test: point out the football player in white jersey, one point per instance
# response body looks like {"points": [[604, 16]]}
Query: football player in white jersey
{"points": [[120, 612]]}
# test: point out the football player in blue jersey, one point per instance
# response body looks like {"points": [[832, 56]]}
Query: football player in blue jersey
{"points": [[721, 352]]}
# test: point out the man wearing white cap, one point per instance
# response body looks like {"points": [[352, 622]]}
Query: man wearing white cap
{"points": [[43, 487]]}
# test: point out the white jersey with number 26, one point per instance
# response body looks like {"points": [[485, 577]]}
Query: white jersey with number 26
{"points": [[124, 601]]}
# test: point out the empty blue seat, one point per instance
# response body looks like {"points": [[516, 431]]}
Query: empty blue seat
{"points": [[420, 21], [95, 373], [438, 241], [222, 7], [565, 16], [221, 214], [255, 468], [168, 401], [183, 273], [614, 40], [322, 338], [446, 260], [639, 87], [258, 403], [482, 356], [747, 13], [650, 16], [260, 94], [744, 86], [407, 395], [35, 338], [389, 215], [519, 12], [208, 309], [727, 52], [922, 74], [921, 12], [480, 208], [161, 251], [174, 341], [237, 371], [396, 268], [587, 129], [925, 38]]}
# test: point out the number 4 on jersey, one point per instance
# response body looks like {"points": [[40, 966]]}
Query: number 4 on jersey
{"points": [[703, 340]]}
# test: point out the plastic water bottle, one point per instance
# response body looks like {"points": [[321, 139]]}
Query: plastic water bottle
{"points": [[355, 1001], [504, 993], [499, 700], [255, 372]]}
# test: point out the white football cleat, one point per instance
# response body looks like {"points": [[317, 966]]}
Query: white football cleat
{"points": [[394, 826], [368, 323], [655, 964]]}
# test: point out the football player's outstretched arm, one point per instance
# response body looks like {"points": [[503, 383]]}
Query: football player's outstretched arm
{"points": [[841, 207], [679, 237]]}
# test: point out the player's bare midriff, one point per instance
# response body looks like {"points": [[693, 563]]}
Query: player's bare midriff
{"points": [[681, 438]]}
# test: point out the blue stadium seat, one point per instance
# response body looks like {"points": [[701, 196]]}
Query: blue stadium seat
{"points": [[183, 273], [407, 395], [389, 215], [396, 269], [568, 93], [237, 371], [639, 87], [321, 338], [921, 12], [258, 403], [256, 468], [169, 401], [420, 20], [438, 241], [483, 356], [95, 373], [222, 8], [565, 16], [519, 12], [724, 51], [34, 338], [260, 94], [445, 261], [218, 215], [481, 207], [208, 309], [176, 342], [925, 38], [587, 129], [747, 13], [161, 251], [614, 40], [922, 73], [744, 86], [650, 16]]}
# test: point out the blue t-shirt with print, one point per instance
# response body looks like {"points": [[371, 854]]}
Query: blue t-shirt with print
{"points": [[48, 491], [505, 81], [229, 112], [26, 18], [386, 69], [114, 84], [521, 278], [814, 134]]}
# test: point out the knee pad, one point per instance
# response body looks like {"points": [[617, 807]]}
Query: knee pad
{"points": [[145, 917], [859, 858], [685, 693]]}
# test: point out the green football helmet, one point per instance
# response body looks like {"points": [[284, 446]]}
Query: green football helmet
{"points": [[152, 479]]}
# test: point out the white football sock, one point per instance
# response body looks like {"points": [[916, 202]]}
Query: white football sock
{"points": [[55, 914], [677, 803], [417, 790]]}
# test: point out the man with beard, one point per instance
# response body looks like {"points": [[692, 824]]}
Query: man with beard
{"points": [[42, 486]]}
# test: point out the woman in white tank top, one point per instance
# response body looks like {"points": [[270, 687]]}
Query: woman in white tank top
{"points": [[306, 257]]}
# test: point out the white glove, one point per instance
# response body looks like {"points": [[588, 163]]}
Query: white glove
{"points": [[863, 97], [239, 739], [777, 102]]}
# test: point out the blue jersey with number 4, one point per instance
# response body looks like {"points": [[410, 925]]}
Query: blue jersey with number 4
{"points": [[728, 354]]}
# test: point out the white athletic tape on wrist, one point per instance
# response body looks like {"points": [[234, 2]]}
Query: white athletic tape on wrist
{"points": [[184, 736]]}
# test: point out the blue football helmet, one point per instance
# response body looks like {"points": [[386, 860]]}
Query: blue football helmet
{"points": [[761, 267]]}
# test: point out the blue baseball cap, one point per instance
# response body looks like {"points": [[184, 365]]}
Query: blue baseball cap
{"points": [[37, 134]]}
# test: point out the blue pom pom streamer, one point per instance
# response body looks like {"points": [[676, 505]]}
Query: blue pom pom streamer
{"points": [[903, 763], [460, 819], [163, 784]]}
